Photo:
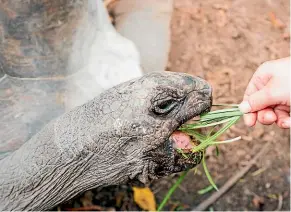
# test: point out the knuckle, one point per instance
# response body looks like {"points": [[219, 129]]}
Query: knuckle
{"points": [[252, 103], [265, 66], [258, 81], [269, 93], [272, 95]]}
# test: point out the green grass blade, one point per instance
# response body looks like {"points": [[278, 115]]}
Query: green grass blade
{"points": [[205, 190], [223, 129], [225, 117], [224, 110], [172, 189], [226, 141], [197, 136], [200, 147], [204, 124], [210, 132], [213, 116], [225, 105], [217, 150], [207, 173], [181, 152]]}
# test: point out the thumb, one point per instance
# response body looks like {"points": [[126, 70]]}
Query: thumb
{"points": [[257, 101]]}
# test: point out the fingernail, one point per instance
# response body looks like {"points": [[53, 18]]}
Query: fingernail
{"points": [[245, 107], [286, 124]]}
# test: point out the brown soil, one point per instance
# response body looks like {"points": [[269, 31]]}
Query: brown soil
{"points": [[224, 42]]}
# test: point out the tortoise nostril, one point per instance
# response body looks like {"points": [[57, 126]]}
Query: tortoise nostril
{"points": [[207, 87], [205, 92]]}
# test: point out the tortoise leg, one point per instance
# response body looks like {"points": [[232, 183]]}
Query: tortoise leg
{"points": [[147, 24], [55, 55], [35, 44], [37, 36], [58, 54]]}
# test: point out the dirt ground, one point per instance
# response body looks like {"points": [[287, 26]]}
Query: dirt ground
{"points": [[224, 42]]}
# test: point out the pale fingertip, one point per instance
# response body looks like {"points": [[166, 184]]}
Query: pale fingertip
{"points": [[249, 119], [245, 107], [286, 123], [270, 117]]}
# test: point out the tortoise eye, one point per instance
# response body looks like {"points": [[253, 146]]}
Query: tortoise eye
{"points": [[166, 104], [165, 107]]}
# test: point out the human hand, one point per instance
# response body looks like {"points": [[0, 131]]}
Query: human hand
{"points": [[267, 97]]}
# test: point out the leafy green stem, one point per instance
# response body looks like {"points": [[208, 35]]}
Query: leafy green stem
{"points": [[172, 189]]}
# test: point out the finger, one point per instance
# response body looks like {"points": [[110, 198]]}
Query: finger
{"points": [[286, 122], [257, 84], [283, 116], [250, 119], [259, 79], [251, 88], [258, 101], [267, 116]]}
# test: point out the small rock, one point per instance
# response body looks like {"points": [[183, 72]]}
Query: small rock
{"points": [[8, 92], [268, 138], [286, 35], [247, 138], [205, 61], [210, 151], [221, 18], [197, 14], [235, 34], [248, 157], [268, 185], [240, 152], [220, 6], [247, 191], [258, 132], [205, 20], [286, 194]]}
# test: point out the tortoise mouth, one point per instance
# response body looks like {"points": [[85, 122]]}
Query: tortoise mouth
{"points": [[174, 160], [183, 157], [181, 146]]}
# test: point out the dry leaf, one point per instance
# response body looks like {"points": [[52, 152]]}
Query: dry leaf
{"points": [[145, 198], [258, 202], [276, 21]]}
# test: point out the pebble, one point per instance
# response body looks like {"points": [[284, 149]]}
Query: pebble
{"points": [[268, 185]]}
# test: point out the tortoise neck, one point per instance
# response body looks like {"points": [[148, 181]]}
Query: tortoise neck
{"points": [[34, 182], [59, 162]]}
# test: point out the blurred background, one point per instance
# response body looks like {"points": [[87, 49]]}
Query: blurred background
{"points": [[56, 55]]}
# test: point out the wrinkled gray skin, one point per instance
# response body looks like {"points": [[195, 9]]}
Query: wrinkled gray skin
{"points": [[120, 136]]}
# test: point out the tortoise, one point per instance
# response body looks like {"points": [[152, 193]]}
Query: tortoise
{"points": [[47, 67], [57, 140]]}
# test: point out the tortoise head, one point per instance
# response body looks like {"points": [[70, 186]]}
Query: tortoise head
{"points": [[137, 119]]}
